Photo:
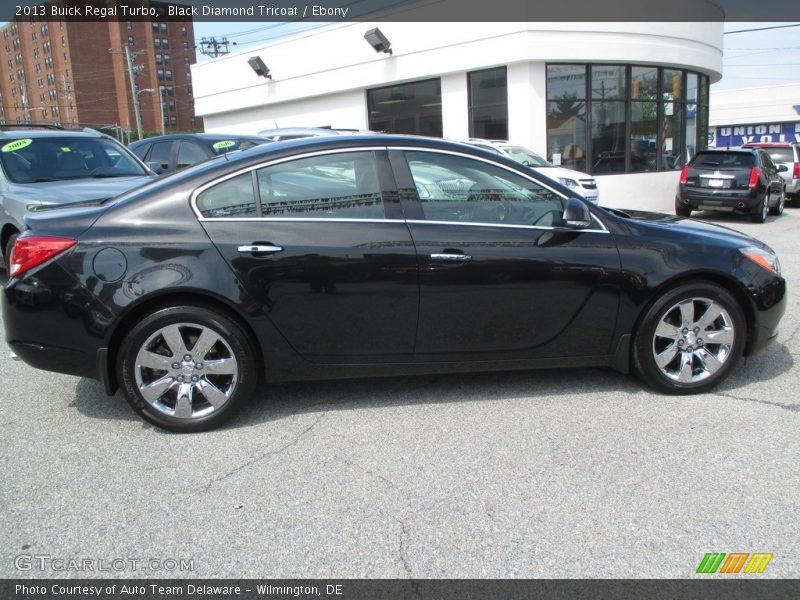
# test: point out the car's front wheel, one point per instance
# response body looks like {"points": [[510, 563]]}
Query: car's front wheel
{"points": [[187, 368], [689, 339]]}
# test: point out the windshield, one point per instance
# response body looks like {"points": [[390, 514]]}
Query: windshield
{"points": [[525, 156], [33, 160]]}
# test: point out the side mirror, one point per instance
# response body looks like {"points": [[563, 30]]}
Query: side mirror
{"points": [[155, 167], [576, 214], [782, 168]]}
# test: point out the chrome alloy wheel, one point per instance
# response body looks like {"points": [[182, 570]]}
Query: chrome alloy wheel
{"points": [[186, 370], [693, 340]]}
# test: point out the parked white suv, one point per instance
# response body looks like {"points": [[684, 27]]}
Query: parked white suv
{"points": [[582, 184]]}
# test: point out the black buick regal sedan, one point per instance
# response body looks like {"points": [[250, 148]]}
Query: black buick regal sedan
{"points": [[350, 256]]}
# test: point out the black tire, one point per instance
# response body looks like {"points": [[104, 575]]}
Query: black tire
{"points": [[7, 251], [683, 211], [777, 210], [686, 363], [186, 393], [759, 214]]}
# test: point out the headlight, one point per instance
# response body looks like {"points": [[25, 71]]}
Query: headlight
{"points": [[568, 182], [763, 258]]}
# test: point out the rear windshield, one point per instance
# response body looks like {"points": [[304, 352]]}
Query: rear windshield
{"points": [[780, 155], [721, 160], [229, 145]]}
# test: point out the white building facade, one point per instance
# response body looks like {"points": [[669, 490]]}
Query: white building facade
{"points": [[627, 102]]}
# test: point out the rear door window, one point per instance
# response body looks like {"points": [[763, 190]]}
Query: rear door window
{"points": [[342, 185]]}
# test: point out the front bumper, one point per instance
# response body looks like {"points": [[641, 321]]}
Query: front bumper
{"points": [[768, 293]]}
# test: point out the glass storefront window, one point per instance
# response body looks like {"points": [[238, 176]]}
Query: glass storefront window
{"points": [[644, 136], [488, 104], [608, 137], [641, 118], [644, 83], [413, 108], [566, 82], [671, 138], [566, 133], [608, 82]]}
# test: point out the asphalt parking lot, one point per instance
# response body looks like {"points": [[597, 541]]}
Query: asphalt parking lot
{"points": [[527, 474]]}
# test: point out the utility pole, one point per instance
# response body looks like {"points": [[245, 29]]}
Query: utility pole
{"points": [[161, 104], [213, 47], [135, 96]]}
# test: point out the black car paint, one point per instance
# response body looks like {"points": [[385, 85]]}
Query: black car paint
{"points": [[368, 309]]}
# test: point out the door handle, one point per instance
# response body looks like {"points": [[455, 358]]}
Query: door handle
{"points": [[259, 249], [451, 257]]}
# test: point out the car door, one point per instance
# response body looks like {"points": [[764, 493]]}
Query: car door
{"points": [[500, 277], [320, 244]]}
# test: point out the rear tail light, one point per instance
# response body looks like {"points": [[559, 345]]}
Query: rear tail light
{"points": [[32, 250], [796, 171], [755, 174], [684, 174]]}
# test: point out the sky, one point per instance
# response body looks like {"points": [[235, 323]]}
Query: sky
{"points": [[754, 58]]}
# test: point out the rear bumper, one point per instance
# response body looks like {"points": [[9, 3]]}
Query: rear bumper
{"points": [[723, 200]]}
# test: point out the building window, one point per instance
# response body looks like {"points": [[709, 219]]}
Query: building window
{"points": [[488, 104], [566, 115], [173, 121], [157, 42], [165, 43], [130, 40], [625, 118], [414, 108]]}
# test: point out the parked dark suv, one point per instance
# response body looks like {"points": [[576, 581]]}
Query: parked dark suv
{"points": [[744, 180]]}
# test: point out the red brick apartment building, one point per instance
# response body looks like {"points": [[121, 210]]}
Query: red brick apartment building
{"points": [[76, 73]]}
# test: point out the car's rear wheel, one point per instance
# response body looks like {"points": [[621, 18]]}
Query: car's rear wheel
{"points": [[689, 339], [187, 368], [777, 210], [759, 215], [683, 211]]}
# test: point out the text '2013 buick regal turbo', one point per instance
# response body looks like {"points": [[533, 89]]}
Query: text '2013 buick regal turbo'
{"points": [[350, 256]]}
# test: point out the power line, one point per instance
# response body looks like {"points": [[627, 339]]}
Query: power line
{"points": [[762, 28]]}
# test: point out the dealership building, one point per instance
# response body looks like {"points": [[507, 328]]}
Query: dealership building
{"points": [[626, 102], [755, 114]]}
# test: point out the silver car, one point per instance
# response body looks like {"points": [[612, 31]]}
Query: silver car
{"points": [[59, 166], [784, 153]]}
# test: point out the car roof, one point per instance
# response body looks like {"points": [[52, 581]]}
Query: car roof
{"points": [[210, 137], [741, 150], [15, 134], [768, 144]]}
